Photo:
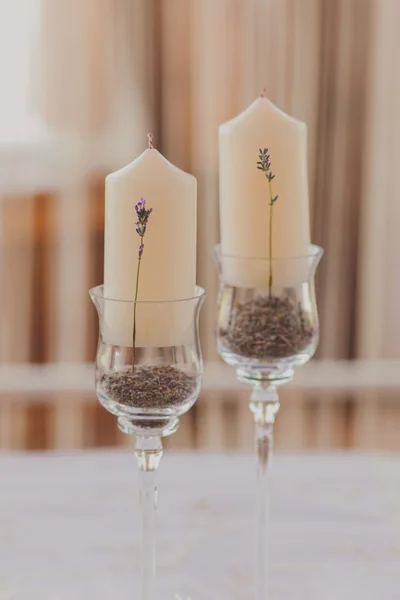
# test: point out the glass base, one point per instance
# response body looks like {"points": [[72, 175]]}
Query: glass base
{"points": [[266, 376], [145, 422], [266, 368], [147, 427]]}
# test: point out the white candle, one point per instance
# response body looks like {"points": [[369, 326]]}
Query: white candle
{"points": [[244, 193], [168, 266]]}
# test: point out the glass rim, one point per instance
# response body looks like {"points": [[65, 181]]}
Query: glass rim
{"points": [[315, 252], [98, 293]]}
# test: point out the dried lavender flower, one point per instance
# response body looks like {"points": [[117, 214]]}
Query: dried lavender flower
{"points": [[143, 215], [264, 164]]}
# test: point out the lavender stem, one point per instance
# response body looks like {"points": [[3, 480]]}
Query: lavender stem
{"points": [[134, 308]]}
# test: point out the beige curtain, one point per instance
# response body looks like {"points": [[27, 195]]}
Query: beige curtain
{"points": [[109, 71], [378, 317]]}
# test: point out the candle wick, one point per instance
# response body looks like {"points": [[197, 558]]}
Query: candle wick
{"points": [[150, 139], [263, 92]]}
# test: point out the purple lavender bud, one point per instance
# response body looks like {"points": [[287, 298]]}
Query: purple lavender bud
{"points": [[142, 219], [141, 247], [264, 164]]}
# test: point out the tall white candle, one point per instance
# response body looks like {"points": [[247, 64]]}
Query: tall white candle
{"points": [[168, 266], [244, 194]]}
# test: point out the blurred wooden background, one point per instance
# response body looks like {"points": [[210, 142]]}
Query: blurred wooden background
{"points": [[330, 405], [330, 63]]}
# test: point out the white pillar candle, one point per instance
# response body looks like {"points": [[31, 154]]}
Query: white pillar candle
{"points": [[244, 194], [168, 265]]}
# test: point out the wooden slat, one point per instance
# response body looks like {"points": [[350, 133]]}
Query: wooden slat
{"points": [[390, 420], [67, 422], [211, 425], [245, 423], [324, 375], [367, 420], [44, 268], [219, 421], [330, 422], [36, 434], [13, 422], [291, 425], [72, 266], [17, 217]]}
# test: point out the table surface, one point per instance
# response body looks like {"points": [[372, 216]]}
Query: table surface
{"points": [[69, 527]]}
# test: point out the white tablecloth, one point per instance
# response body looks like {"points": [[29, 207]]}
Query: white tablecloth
{"points": [[69, 527]]}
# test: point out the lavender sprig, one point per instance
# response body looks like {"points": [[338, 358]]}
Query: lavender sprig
{"points": [[264, 164], [143, 215]]}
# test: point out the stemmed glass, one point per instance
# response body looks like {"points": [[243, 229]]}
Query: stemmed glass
{"points": [[265, 333], [148, 386]]}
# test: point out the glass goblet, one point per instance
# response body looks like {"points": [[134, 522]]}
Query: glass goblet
{"points": [[265, 331], [148, 373]]}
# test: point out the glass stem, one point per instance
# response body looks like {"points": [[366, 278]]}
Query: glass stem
{"points": [[264, 405], [148, 452]]}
